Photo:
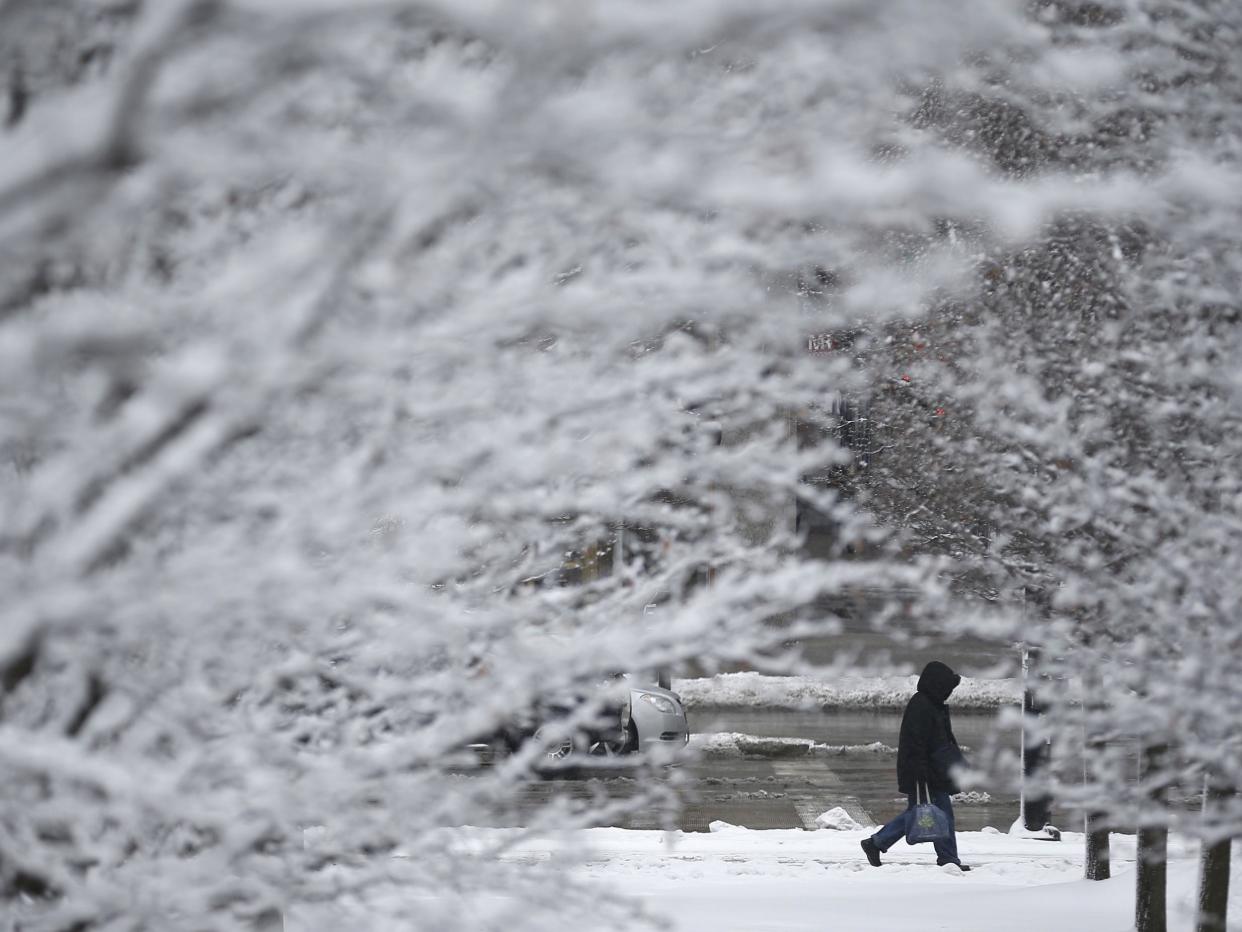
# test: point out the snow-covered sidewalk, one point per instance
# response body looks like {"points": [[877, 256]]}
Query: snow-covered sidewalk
{"points": [[739, 880], [750, 690]]}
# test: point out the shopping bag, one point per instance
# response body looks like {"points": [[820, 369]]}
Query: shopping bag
{"points": [[927, 822]]}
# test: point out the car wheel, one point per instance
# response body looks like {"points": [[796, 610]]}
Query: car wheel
{"points": [[626, 743], [557, 751]]}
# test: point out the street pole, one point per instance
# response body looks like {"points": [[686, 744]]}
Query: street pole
{"points": [[1034, 755], [1033, 813]]}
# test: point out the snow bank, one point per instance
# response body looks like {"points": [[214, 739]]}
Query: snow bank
{"points": [[732, 743], [746, 690], [837, 819], [972, 798]]}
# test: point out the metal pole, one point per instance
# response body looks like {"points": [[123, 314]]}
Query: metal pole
{"points": [[1022, 729]]}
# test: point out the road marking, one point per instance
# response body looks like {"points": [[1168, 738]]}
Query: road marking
{"points": [[813, 788]]}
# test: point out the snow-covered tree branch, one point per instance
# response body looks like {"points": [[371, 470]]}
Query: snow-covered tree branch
{"points": [[335, 337]]}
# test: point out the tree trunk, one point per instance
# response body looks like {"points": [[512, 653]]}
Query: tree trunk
{"points": [[1098, 853], [1097, 856], [1214, 875], [1151, 871]]}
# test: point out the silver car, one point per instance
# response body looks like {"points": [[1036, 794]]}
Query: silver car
{"points": [[647, 717], [656, 717]]}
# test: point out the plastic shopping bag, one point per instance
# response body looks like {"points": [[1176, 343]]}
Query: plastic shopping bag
{"points": [[927, 822]]}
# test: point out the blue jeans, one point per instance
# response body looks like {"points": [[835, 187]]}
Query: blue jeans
{"points": [[895, 830]]}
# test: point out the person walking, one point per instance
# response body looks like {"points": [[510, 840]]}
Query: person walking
{"points": [[927, 752]]}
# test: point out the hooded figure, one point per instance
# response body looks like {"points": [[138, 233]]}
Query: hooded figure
{"points": [[927, 752]]}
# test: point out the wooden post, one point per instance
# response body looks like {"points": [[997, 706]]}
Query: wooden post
{"points": [[1151, 871], [1214, 872], [1098, 856]]}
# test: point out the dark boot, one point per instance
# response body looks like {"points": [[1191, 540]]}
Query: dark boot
{"points": [[871, 851], [960, 865]]}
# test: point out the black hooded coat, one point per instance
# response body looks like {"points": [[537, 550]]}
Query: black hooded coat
{"points": [[927, 750]]}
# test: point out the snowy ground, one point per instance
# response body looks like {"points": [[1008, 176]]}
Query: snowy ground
{"points": [[741, 690], [738, 880]]}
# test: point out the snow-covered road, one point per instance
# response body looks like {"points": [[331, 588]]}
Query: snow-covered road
{"points": [[771, 769]]}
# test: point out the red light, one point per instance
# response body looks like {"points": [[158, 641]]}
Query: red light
{"points": [[905, 378], [940, 412]]}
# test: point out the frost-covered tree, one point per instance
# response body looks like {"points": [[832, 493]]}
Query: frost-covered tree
{"points": [[1090, 414], [331, 331]]}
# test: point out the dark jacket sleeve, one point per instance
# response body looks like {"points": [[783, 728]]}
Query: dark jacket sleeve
{"points": [[945, 754], [919, 740], [944, 759]]}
